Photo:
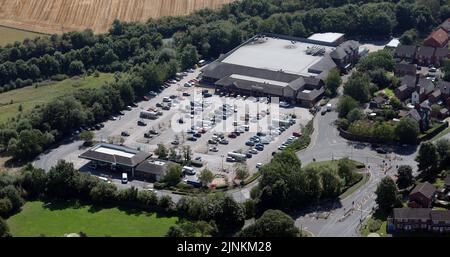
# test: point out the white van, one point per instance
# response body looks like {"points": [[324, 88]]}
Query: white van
{"points": [[188, 170], [124, 178]]}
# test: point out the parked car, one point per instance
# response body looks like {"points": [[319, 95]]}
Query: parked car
{"points": [[284, 104], [125, 134], [175, 142], [230, 159], [223, 142], [194, 139], [214, 149], [186, 94], [141, 123], [249, 143], [258, 165], [297, 134], [259, 148], [232, 135]]}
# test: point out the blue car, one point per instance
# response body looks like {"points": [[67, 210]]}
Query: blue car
{"points": [[249, 143], [259, 148]]}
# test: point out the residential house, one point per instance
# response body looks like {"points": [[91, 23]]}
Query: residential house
{"points": [[403, 68], [437, 38], [422, 196], [346, 54], [440, 54], [377, 102], [405, 53], [424, 88], [407, 86], [444, 87], [419, 219], [446, 25], [425, 55]]}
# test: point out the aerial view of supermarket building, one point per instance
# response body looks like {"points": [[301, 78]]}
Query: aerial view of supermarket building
{"points": [[291, 68]]}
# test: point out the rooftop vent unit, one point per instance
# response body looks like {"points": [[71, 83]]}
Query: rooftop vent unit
{"points": [[315, 50]]}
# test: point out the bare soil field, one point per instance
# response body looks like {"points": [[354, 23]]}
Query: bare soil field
{"points": [[56, 16]]}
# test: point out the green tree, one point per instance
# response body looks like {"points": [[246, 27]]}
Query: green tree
{"points": [[345, 170], [4, 230], [189, 57], [76, 68], [405, 177], [206, 176], [103, 193], [345, 105], [384, 132], [387, 194], [427, 158], [187, 154], [443, 149], [407, 131], [161, 151], [173, 176], [331, 183], [33, 180], [62, 180], [87, 137], [354, 115], [13, 195], [358, 87], [273, 223], [175, 231], [241, 171], [6, 207], [333, 81]]}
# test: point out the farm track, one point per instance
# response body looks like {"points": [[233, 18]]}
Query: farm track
{"points": [[55, 16]]}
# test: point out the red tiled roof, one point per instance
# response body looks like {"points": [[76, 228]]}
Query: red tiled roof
{"points": [[440, 35]]}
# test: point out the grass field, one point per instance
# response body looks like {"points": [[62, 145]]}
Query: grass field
{"points": [[9, 35], [35, 219], [30, 96], [330, 163]]}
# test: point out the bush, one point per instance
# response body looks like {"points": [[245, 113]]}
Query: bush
{"points": [[159, 185], [59, 77], [5, 207], [375, 225]]}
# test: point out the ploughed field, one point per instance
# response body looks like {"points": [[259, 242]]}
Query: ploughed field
{"points": [[55, 16]]}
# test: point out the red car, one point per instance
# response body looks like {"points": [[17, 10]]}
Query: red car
{"points": [[297, 134], [232, 135]]}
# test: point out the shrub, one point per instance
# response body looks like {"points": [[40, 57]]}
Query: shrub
{"points": [[375, 225]]}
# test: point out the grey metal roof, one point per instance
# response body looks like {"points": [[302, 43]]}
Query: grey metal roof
{"points": [[325, 64], [411, 213], [251, 85], [152, 167], [219, 70], [115, 159], [297, 84], [310, 95], [344, 49], [426, 189]]}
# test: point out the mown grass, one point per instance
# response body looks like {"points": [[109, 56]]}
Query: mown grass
{"points": [[56, 220], [29, 97], [10, 35]]}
